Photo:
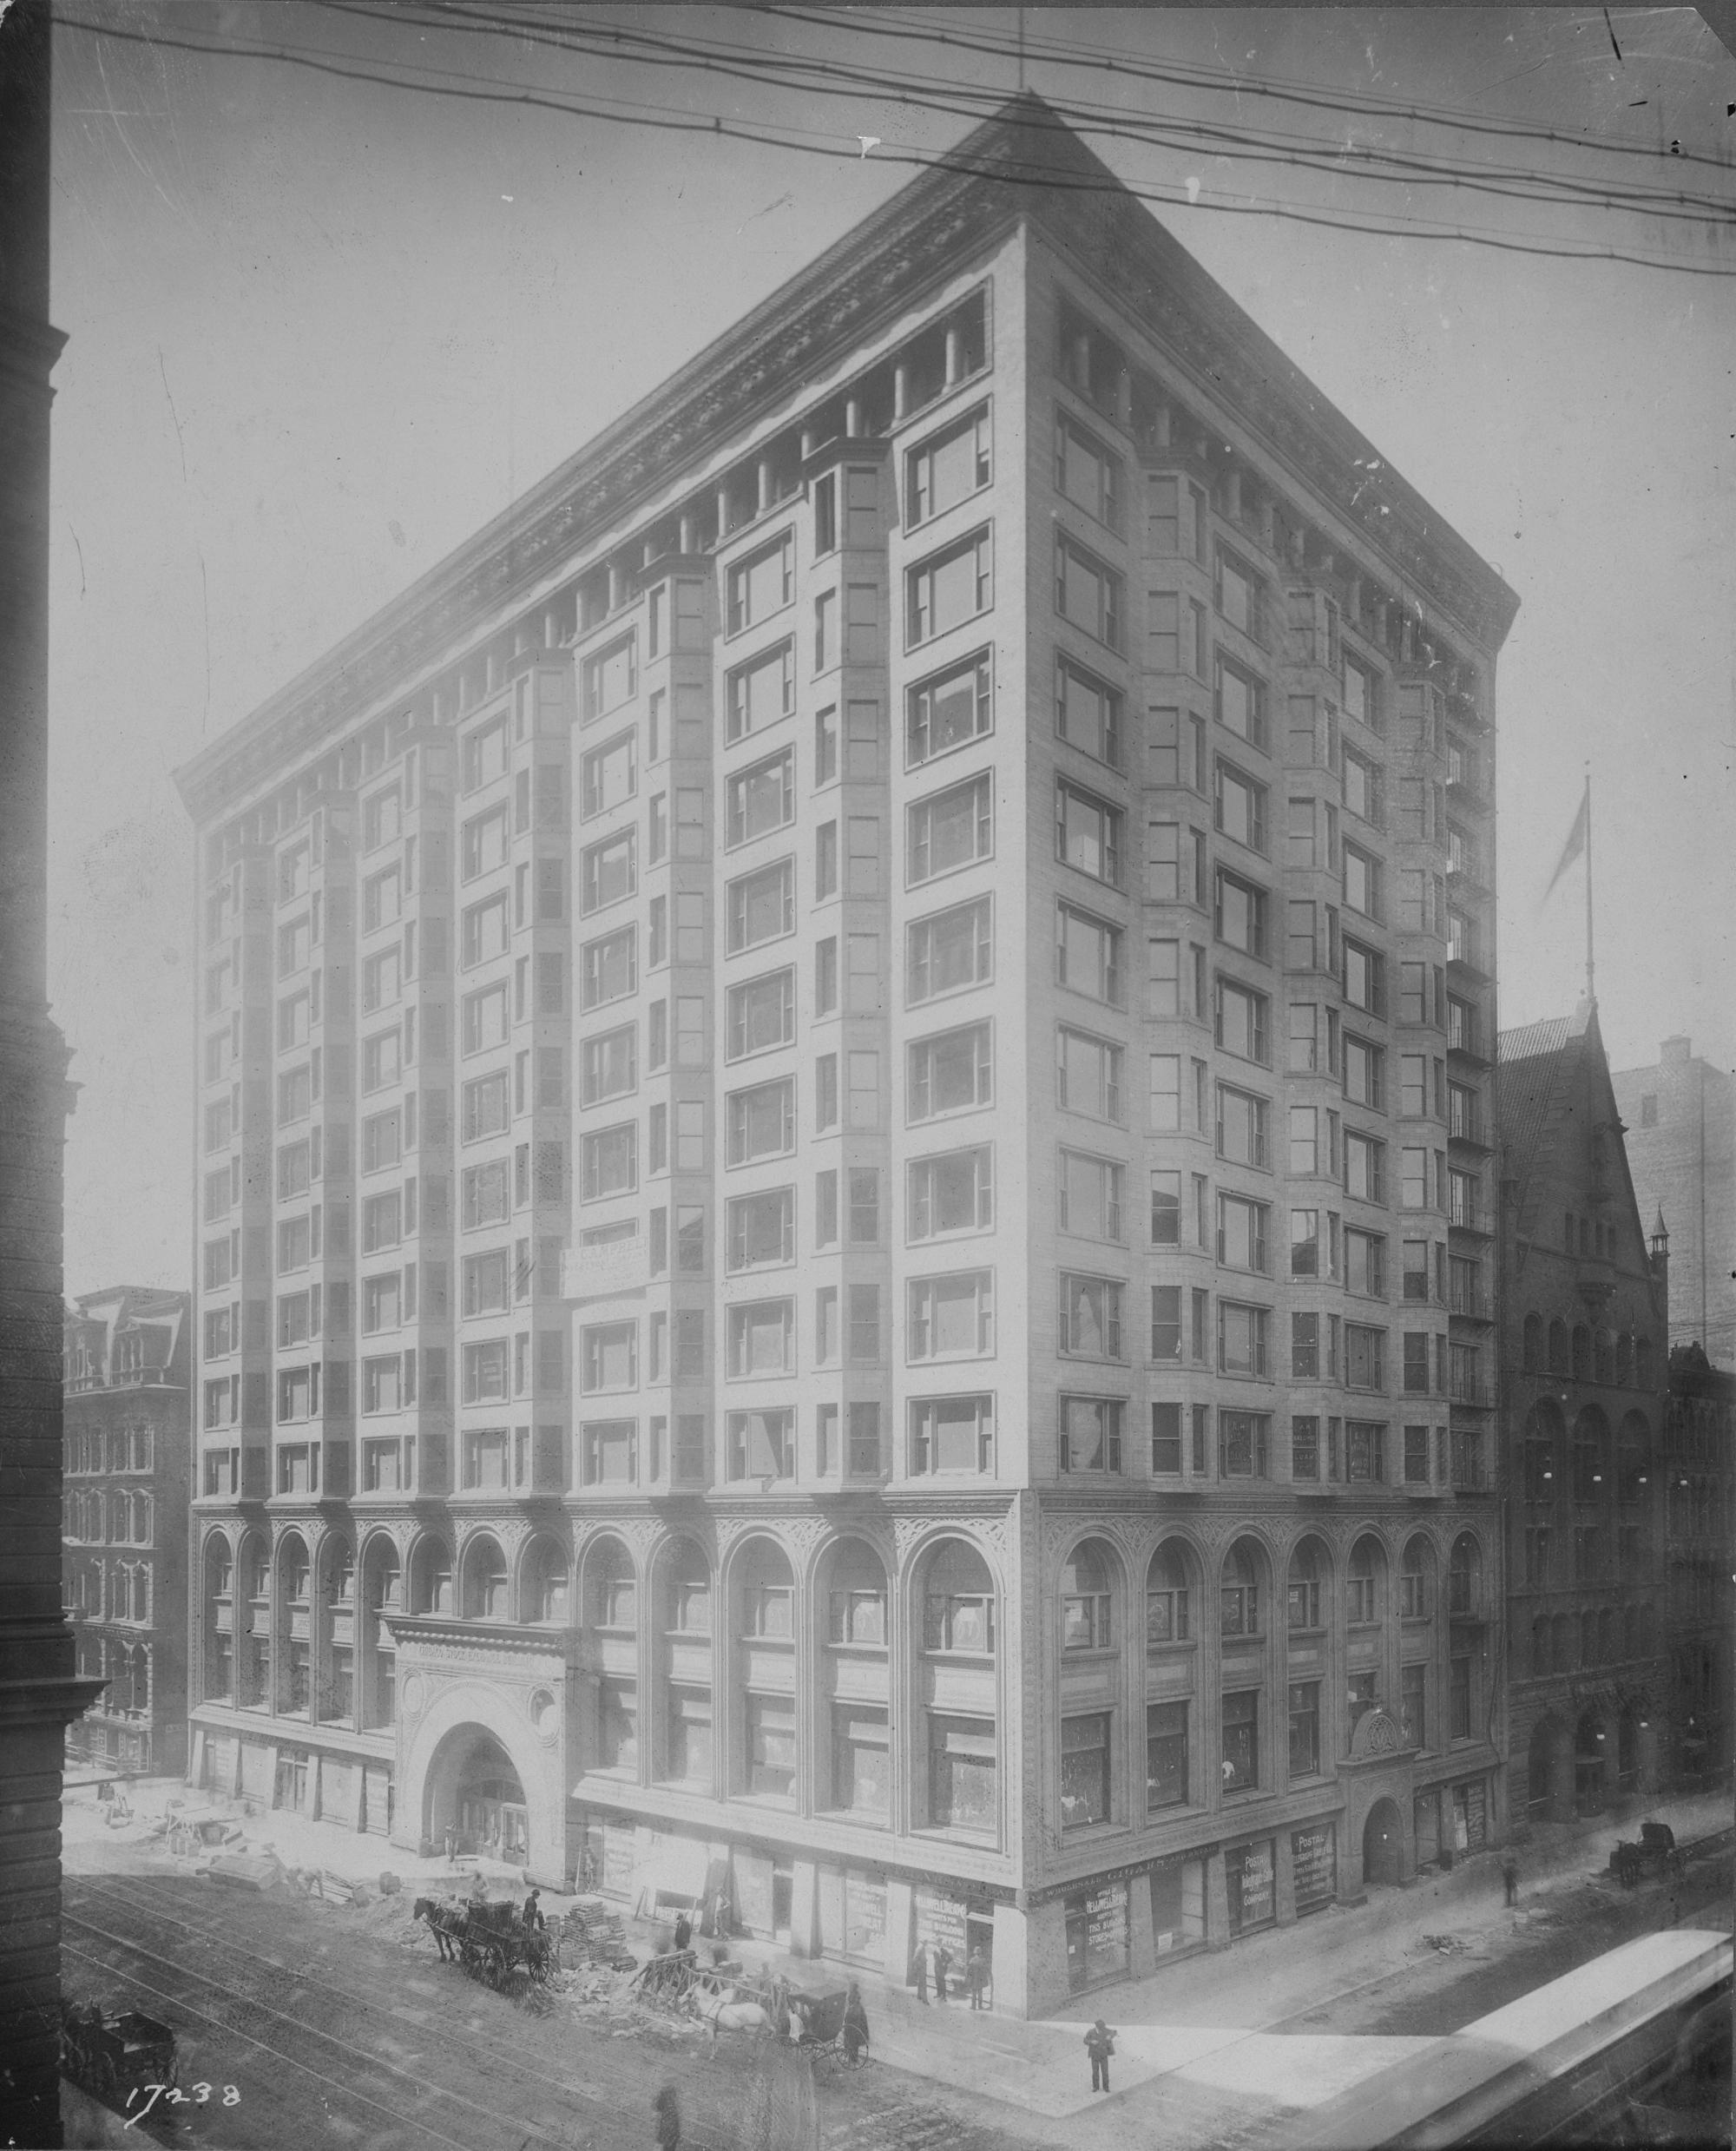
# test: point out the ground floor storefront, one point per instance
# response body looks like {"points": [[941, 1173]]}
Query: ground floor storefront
{"points": [[274, 1766]]}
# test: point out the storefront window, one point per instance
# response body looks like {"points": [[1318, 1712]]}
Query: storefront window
{"points": [[1097, 1945], [1250, 1883]]}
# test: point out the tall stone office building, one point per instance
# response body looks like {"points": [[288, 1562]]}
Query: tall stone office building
{"points": [[844, 1136]]}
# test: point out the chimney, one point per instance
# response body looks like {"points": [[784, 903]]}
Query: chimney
{"points": [[1676, 1052]]}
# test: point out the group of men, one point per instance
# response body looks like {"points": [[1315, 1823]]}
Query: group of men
{"points": [[933, 1961]]}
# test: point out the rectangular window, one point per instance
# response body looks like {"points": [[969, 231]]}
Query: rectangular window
{"points": [[1090, 1433], [948, 589], [1090, 1196], [1239, 701], [952, 1193], [1242, 1741], [760, 693], [1242, 1022], [608, 776], [760, 1229], [1365, 1356], [1242, 1234], [1365, 1263], [949, 830], [1088, 473], [952, 1434], [1242, 1341], [608, 1162], [608, 872], [947, 711], [1304, 1728], [761, 1014], [1088, 954], [1090, 1318], [949, 952], [1364, 788], [951, 1316], [609, 969], [1240, 914], [1087, 833], [950, 1072], [761, 906], [762, 584], [948, 467], [761, 1336], [1087, 592], [1364, 1073], [761, 800], [1088, 713], [1363, 878], [1088, 1074], [1239, 807], [762, 1445], [1242, 1135], [611, 677], [760, 1122]]}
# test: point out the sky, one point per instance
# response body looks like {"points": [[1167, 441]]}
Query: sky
{"points": [[321, 329]]}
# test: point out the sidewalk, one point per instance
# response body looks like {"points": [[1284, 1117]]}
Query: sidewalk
{"points": [[1216, 2021]]}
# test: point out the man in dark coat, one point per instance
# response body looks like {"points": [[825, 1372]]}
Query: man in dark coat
{"points": [[667, 2126], [684, 1931], [1099, 2044], [533, 1912], [855, 2023]]}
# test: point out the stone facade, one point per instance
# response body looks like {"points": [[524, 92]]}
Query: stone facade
{"points": [[1699, 1616], [128, 1453], [1584, 1330], [843, 1140]]}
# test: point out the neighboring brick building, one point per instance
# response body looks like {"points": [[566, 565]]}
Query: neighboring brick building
{"points": [[844, 1136], [1681, 1151], [1700, 1468], [128, 1445], [1583, 1327]]}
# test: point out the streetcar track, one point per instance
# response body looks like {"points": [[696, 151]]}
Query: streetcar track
{"points": [[513, 2046], [250, 2001]]}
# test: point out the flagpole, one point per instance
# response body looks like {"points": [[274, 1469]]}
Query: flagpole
{"points": [[1590, 967]]}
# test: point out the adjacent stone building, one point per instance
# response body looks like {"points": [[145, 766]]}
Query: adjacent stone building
{"points": [[1699, 1616], [1584, 1326], [127, 1448], [1682, 1150], [846, 1249]]}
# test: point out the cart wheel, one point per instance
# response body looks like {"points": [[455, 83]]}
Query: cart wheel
{"points": [[860, 2059]]}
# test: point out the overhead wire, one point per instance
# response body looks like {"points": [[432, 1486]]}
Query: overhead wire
{"points": [[880, 23], [619, 111], [653, 50], [829, 78]]}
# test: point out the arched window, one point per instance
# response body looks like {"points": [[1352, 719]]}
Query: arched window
{"points": [[1464, 1578], [337, 1651], [1582, 1352], [543, 1598], [1634, 1459], [484, 1592], [1624, 1360], [1085, 1593], [958, 1600], [1561, 1658], [1363, 1581], [611, 1589], [1558, 1347], [1534, 1343], [1603, 1356], [856, 1596], [689, 1589], [340, 1560], [1416, 1580], [1165, 1596], [430, 1578], [141, 1519], [1303, 1602], [1540, 1646], [1239, 1592], [294, 1570], [382, 1594], [767, 1592], [1591, 1455], [1543, 1439], [1642, 1362], [293, 1663]]}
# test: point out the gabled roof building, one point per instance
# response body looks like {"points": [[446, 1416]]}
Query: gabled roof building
{"points": [[1584, 1348], [845, 1242]]}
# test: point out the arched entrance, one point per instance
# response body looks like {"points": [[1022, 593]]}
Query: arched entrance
{"points": [[475, 1790], [1382, 1843]]}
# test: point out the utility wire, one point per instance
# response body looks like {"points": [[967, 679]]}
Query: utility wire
{"points": [[1336, 160], [1104, 60], [1044, 176]]}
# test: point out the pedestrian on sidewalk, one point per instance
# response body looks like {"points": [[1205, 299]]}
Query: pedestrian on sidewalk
{"points": [[1099, 2044], [919, 1973], [684, 1931], [977, 1975], [855, 2023], [1509, 1875], [533, 1912], [451, 1846], [943, 1964], [667, 2127]]}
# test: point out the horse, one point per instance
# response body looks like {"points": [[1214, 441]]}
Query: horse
{"points": [[443, 1925], [720, 2013]]}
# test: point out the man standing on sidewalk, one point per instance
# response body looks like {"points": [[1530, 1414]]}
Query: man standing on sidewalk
{"points": [[977, 1975], [1099, 2044], [1509, 1875]]}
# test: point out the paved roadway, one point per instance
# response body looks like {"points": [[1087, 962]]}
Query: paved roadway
{"points": [[334, 2039]]}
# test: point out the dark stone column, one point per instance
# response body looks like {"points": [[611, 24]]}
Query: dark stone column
{"points": [[39, 1695]]}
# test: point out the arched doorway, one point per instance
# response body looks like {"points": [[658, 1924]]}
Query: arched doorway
{"points": [[489, 1807], [1383, 1844]]}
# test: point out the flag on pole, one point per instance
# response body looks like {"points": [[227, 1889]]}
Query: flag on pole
{"points": [[1575, 845]]}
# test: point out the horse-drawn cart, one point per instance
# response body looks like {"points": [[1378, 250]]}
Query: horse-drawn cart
{"points": [[115, 2056], [828, 2027], [1656, 1849], [491, 1944]]}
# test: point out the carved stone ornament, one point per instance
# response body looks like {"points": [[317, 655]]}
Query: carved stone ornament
{"points": [[1375, 1734], [542, 1708], [412, 1694]]}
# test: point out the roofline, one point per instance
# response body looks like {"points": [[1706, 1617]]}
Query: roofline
{"points": [[908, 246]]}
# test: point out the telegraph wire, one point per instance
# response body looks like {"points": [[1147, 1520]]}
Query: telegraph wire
{"points": [[669, 120], [1104, 60], [963, 100]]}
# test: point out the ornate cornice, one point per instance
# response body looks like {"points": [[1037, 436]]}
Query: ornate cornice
{"points": [[926, 234]]}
